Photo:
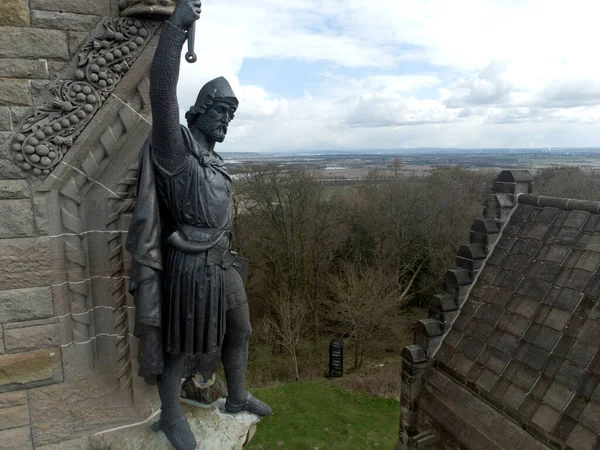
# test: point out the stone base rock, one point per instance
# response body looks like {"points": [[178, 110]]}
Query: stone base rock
{"points": [[214, 430]]}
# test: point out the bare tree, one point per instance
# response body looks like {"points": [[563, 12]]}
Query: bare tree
{"points": [[287, 324], [362, 304]]}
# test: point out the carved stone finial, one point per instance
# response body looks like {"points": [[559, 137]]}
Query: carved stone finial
{"points": [[147, 8]]}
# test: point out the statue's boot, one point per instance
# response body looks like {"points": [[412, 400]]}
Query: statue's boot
{"points": [[251, 404], [178, 432]]}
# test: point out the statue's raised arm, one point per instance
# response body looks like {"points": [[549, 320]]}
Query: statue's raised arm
{"points": [[168, 146]]}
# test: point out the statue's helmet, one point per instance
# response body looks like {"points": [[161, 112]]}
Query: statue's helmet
{"points": [[218, 89]]}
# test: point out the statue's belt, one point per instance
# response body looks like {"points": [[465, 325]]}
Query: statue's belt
{"points": [[204, 242]]}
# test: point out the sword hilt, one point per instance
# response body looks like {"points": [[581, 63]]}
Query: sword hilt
{"points": [[190, 56]]}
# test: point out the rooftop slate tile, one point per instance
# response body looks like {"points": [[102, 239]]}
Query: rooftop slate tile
{"points": [[514, 397], [523, 306], [547, 338], [529, 407], [542, 269], [497, 362], [527, 247], [593, 287], [562, 236], [546, 417], [558, 396], [576, 407], [536, 357], [534, 288], [514, 323], [592, 225], [508, 343], [487, 379], [584, 308], [541, 387], [583, 241], [590, 332], [557, 318], [553, 253], [535, 231], [589, 261], [568, 299], [582, 439], [505, 242], [507, 279], [526, 378], [589, 384], [516, 263], [470, 347], [564, 428], [543, 215], [564, 346], [574, 278], [570, 374], [594, 243], [591, 416], [576, 219]]}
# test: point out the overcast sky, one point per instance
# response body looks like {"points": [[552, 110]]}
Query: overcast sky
{"points": [[363, 74]]}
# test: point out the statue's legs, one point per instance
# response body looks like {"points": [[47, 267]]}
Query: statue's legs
{"points": [[235, 361], [172, 420], [235, 352]]}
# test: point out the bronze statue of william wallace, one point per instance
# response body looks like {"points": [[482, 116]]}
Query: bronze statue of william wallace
{"points": [[191, 305]]}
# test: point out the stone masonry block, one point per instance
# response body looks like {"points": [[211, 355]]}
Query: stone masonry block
{"points": [[14, 92], [64, 21], [483, 239], [33, 43], [25, 304], [31, 338], [16, 438], [96, 7], [16, 218], [487, 226], [23, 68], [14, 190], [17, 416], [10, 399], [14, 13], [22, 370], [5, 120], [25, 262], [40, 214]]}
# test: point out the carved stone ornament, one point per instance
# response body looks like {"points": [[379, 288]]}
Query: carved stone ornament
{"points": [[146, 8], [103, 60]]}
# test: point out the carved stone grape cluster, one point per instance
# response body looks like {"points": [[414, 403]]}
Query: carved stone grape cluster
{"points": [[45, 137]]}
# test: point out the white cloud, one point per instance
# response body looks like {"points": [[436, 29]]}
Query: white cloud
{"points": [[463, 73]]}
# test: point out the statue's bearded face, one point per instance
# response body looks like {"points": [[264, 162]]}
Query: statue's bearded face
{"points": [[214, 122]]}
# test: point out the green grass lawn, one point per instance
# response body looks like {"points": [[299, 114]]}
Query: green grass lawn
{"points": [[322, 415]]}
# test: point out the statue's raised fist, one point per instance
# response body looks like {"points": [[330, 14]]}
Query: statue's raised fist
{"points": [[186, 13]]}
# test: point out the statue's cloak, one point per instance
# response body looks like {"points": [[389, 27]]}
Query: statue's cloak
{"points": [[150, 226]]}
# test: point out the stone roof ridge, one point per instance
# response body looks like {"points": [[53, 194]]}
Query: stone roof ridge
{"points": [[457, 283], [470, 258], [564, 204]]}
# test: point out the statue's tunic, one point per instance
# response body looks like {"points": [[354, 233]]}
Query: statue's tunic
{"points": [[198, 197]]}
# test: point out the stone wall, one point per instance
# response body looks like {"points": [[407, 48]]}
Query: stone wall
{"points": [[67, 359]]}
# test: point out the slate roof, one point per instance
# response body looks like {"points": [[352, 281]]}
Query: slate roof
{"points": [[526, 338]]}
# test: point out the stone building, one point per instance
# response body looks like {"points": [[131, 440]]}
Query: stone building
{"points": [[508, 358], [74, 112]]}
